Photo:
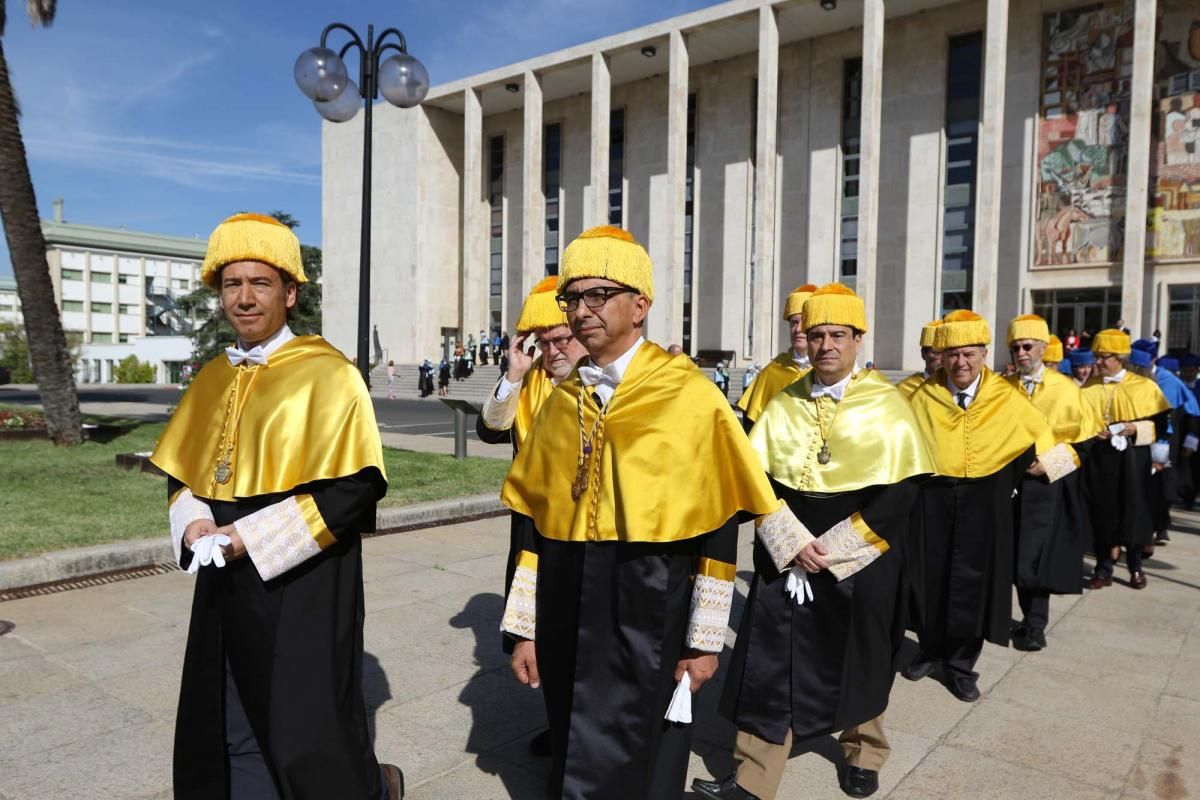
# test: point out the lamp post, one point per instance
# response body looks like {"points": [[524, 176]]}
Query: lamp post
{"points": [[403, 81]]}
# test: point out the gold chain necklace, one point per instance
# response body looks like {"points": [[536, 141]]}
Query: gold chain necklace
{"points": [[587, 443], [823, 455], [233, 415]]}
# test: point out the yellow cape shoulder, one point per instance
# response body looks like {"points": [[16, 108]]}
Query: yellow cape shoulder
{"points": [[779, 373], [535, 388], [1134, 398]]}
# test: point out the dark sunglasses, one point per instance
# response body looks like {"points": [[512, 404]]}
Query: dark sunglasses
{"points": [[1026, 347]]}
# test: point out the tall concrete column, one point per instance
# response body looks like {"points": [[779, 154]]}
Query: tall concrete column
{"points": [[1137, 180], [677, 102], [473, 309], [765, 293], [870, 141], [595, 209], [533, 197], [991, 164]]}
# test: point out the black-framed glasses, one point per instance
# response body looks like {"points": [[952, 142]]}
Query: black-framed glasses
{"points": [[592, 298], [1016, 346]]}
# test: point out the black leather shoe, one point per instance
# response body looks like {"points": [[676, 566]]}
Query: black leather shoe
{"points": [[1029, 640], [859, 782], [724, 789], [964, 688], [921, 667], [393, 781], [540, 744]]}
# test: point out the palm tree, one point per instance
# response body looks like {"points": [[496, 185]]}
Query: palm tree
{"points": [[18, 208]]}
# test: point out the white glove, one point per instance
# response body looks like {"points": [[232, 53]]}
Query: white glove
{"points": [[1160, 453], [798, 585], [207, 550], [1191, 442], [680, 707]]}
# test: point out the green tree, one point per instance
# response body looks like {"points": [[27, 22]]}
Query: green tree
{"points": [[48, 350], [14, 353], [130, 370]]}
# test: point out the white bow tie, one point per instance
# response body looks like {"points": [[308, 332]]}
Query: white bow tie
{"points": [[1031, 379], [255, 355], [597, 376], [821, 390], [1110, 379]]}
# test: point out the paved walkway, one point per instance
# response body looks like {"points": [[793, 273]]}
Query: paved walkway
{"points": [[89, 678]]}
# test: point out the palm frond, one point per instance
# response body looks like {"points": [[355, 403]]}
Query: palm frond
{"points": [[41, 12]]}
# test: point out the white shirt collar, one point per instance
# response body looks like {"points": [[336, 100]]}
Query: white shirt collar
{"points": [[260, 353], [801, 359], [836, 390], [1120, 376], [970, 390], [606, 379]]}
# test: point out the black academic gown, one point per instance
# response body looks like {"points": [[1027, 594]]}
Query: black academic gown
{"points": [[627, 605], [829, 664], [515, 536], [295, 649], [1053, 531], [1121, 494], [964, 570], [1165, 484]]}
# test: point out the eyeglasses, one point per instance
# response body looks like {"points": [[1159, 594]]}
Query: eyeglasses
{"points": [[1017, 346], [558, 344], [592, 298]]}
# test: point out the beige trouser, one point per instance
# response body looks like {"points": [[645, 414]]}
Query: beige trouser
{"points": [[761, 763]]}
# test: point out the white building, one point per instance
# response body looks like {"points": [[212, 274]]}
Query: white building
{"points": [[932, 153], [10, 304]]}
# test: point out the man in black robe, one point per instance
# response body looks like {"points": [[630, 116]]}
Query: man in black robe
{"points": [[825, 615], [267, 503]]}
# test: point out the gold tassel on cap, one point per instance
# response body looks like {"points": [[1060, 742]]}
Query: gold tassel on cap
{"points": [[1111, 340], [1028, 326], [252, 237], [541, 309], [795, 301], [962, 328], [835, 304], [929, 333], [611, 253], [1054, 350]]}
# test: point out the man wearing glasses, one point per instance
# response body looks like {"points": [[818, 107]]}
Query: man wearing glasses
{"points": [[632, 483], [1134, 412], [1053, 523], [984, 437], [784, 369]]}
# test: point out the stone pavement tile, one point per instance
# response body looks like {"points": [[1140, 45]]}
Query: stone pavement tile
{"points": [[1034, 685], [72, 619], [422, 751], [484, 604], [1185, 680], [1146, 611], [517, 751], [484, 536], [153, 689], [428, 632], [953, 773], [484, 778], [130, 762], [1095, 658], [1177, 721], [1082, 751], [1130, 637], [13, 647], [27, 678], [489, 568], [416, 586], [398, 676], [419, 550], [481, 715], [161, 646], [78, 713], [924, 708], [381, 566], [1190, 651], [1164, 772]]}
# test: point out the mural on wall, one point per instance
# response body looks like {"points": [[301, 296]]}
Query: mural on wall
{"points": [[1083, 134], [1175, 161]]}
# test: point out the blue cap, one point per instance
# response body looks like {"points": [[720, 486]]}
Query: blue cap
{"points": [[1064, 366], [1168, 363], [1081, 358], [1190, 360], [1140, 358], [1146, 346]]}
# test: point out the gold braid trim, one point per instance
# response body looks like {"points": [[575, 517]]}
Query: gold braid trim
{"points": [[1059, 461], [783, 535], [712, 599], [851, 545], [520, 610]]}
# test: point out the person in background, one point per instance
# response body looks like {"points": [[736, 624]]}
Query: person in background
{"points": [[471, 347], [444, 379], [1189, 369], [391, 375], [675, 350], [784, 369], [470, 357], [1082, 364], [931, 357], [1072, 341], [483, 348], [496, 346], [460, 362], [721, 377], [750, 374], [1054, 353]]}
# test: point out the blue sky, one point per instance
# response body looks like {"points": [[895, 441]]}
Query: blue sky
{"points": [[166, 117]]}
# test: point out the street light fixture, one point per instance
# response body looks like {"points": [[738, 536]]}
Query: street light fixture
{"points": [[403, 81]]}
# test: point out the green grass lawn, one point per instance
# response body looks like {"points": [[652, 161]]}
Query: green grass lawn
{"points": [[54, 498]]}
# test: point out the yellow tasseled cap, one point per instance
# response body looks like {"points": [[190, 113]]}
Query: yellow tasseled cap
{"points": [[795, 300], [1111, 340], [1054, 350], [1028, 326], [835, 304], [962, 328], [611, 253], [541, 309], [929, 332], [252, 237]]}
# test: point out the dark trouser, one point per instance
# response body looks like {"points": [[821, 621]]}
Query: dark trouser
{"points": [[1035, 606], [958, 656], [1105, 562], [249, 776]]}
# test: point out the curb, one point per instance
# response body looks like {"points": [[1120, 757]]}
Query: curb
{"points": [[83, 562]]}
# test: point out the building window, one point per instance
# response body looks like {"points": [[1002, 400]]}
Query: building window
{"points": [[851, 127], [180, 284], [101, 308], [72, 305], [616, 167], [1078, 310], [102, 338], [72, 274], [101, 277], [963, 75], [496, 248], [123, 338], [126, 308], [551, 181], [689, 221], [125, 280], [1183, 322]]}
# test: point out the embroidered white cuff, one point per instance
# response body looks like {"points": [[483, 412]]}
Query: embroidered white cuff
{"points": [[1145, 435], [283, 535], [783, 535], [185, 509], [850, 546], [520, 610], [500, 408], [712, 599], [1059, 461]]}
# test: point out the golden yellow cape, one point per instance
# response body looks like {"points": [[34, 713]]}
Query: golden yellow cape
{"points": [[779, 373], [673, 461], [873, 437], [997, 426], [1132, 399], [535, 388], [910, 384], [1072, 419], [308, 417]]}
